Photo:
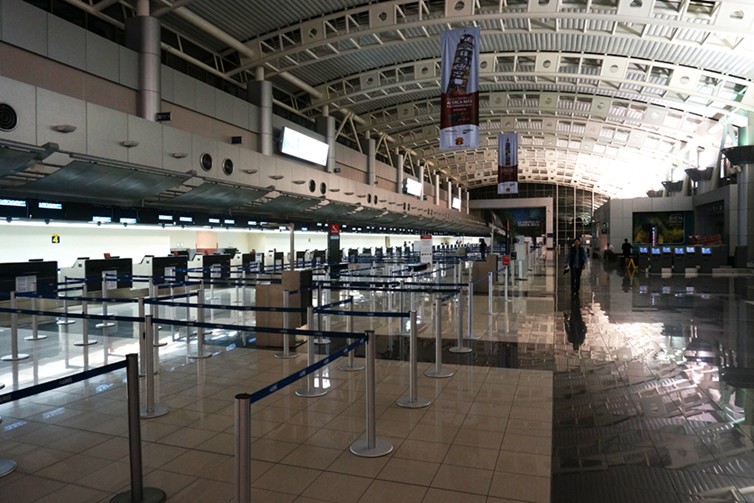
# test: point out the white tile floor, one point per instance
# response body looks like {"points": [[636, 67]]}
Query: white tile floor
{"points": [[486, 437]]}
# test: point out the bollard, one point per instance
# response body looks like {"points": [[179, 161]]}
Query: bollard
{"points": [[470, 317], [243, 448], [14, 354], [490, 288], [459, 347], [412, 401], [104, 324], [138, 492], [310, 391], [286, 353], [35, 324], [437, 371], [85, 322], [150, 410], [371, 446], [199, 328], [350, 366]]}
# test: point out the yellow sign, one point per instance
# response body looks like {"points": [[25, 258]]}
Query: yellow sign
{"points": [[55, 238]]}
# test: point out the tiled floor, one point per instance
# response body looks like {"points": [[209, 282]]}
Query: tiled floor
{"points": [[486, 436]]}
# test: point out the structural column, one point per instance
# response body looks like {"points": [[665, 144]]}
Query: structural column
{"points": [[437, 189], [400, 159], [260, 94], [326, 127], [450, 194], [743, 157], [143, 36], [371, 161]]}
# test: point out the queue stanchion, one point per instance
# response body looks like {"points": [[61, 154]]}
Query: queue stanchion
{"points": [[437, 371], [490, 288], [14, 354], [7, 466], [105, 324], [154, 293], [470, 316], [459, 347], [200, 329], [371, 446], [243, 448], [286, 353], [506, 284], [320, 300], [140, 312], [34, 324], [350, 366], [85, 341], [412, 401], [138, 492], [151, 409], [65, 320], [310, 391]]}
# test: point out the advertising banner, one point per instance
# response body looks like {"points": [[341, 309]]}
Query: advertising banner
{"points": [[507, 163], [459, 111]]}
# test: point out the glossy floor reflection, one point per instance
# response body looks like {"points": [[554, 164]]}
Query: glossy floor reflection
{"points": [[642, 412]]}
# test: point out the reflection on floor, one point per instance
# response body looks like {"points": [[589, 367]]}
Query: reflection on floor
{"points": [[613, 395]]}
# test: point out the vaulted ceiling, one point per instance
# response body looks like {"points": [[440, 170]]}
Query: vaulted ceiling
{"points": [[613, 96]]}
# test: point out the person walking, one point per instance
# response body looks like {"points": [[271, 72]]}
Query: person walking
{"points": [[627, 250], [575, 263]]}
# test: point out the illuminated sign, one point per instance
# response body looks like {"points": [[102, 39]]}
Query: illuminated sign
{"points": [[412, 187], [304, 147]]}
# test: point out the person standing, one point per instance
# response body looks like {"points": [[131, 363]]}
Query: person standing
{"points": [[627, 250], [483, 248], [575, 263]]}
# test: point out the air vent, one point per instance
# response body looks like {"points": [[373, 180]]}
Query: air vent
{"points": [[228, 167], [206, 162], [8, 117]]}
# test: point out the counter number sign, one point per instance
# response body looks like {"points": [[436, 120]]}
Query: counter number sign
{"points": [[55, 238]]}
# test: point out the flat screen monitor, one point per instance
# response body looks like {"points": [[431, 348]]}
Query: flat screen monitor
{"points": [[644, 249], [690, 249], [665, 249], [656, 251], [679, 250], [706, 251]]}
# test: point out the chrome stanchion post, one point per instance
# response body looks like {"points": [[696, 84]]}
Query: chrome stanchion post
{"points": [[7, 466], [142, 339], [286, 353], [243, 448], [412, 401], [64, 320], [14, 354], [35, 324], [320, 300], [105, 324], [310, 391], [490, 288], [138, 492], [150, 409], [506, 283], [84, 322], [371, 446], [459, 347], [200, 328], [350, 366], [438, 371], [154, 293], [470, 318]]}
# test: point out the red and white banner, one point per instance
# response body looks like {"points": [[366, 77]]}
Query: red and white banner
{"points": [[507, 163], [459, 110]]}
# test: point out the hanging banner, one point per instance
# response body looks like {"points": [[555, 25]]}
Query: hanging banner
{"points": [[459, 110], [507, 163]]}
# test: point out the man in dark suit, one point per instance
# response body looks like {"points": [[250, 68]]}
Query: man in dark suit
{"points": [[575, 263]]}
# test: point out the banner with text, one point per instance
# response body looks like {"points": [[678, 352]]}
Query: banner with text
{"points": [[459, 111], [507, 163]]}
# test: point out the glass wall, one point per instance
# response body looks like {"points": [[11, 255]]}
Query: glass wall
{"points": [[575, 206]]}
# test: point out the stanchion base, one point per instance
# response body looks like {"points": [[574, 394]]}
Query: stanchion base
{"points": [[159, 344], [157, 411], [199, 356], [407, 403], [65, 322], [37, 338], [322, 340], [149, 495], [6, 467], [381, 448], [440, 373], [11, 358], [284, 356], [83, 343], [460, 349], [312, 392], [105, 325], [351, 368]]}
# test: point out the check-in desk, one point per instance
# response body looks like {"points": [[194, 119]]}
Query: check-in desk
{"points": [[271, 295], [162, 270]]}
